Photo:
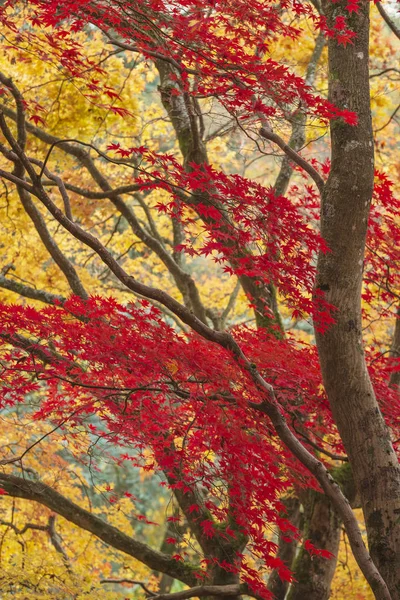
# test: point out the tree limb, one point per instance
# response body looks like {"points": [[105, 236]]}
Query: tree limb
{"points": [[268, 405], [34, 214], [184, 282], [389, 22], [298, 121], [130, 581], [123, 189], [268, 134], [28, 292], [208, 590], [18, 487]]}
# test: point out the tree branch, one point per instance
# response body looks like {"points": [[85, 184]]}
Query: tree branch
{"points": [[394, 113], [388, 70], [268, 405], [25, 528], [208, 590], [392, 26], [34, 214], [28, 292], [147, 52], [184, 282], [299, 120], [293, 155], [130, 581], [123, 189], [55, 540], [18, 487]]}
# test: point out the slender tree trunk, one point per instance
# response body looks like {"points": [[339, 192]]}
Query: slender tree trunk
{"points": [[314, 574], [185, 118], [222, 577], [395, 351], [174, 529], [286, 551], [225, 551], [344, 215], [322, 526]]}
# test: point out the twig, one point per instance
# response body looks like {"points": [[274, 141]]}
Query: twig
{"points": [[132, 582], [389, 120], [318, 448]]}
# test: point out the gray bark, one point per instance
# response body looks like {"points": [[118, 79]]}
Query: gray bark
{"points": [[345, 208]]}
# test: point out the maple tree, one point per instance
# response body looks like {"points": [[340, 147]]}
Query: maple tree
{"points": [[234, 418]]}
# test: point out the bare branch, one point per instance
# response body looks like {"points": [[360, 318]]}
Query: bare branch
{"points": [[20, 105], [40, 225], [25, 528], [299, 121], [147, 52], [388, 70], [28, 292], [208, 590], [17, 180], [56, 542], [19, 487], [318, 448], [62, 189], [132, 582], [183, 280], [230, 305], [162, 308], [123, 189], [389, 22], [293, 155], [394, 113], [19, 458]]}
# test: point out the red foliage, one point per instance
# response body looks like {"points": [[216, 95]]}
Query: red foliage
{"points": [[184, 404], [193, 38], [186, 400]]}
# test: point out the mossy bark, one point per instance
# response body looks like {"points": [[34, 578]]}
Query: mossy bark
{"points": [[322, 526], [314, 574]]}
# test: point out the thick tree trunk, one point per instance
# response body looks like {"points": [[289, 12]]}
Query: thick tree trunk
{"points": [[344, 215]]}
